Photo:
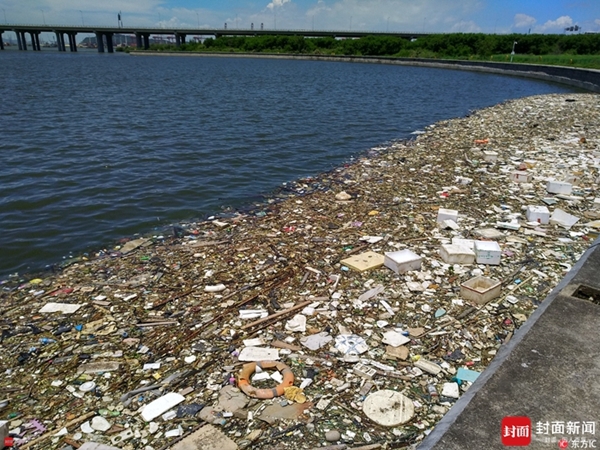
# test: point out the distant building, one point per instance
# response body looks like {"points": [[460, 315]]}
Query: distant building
{"points": [[119, 40]]}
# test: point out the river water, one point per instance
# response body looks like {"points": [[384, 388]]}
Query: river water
{"points": [[96, 147]]}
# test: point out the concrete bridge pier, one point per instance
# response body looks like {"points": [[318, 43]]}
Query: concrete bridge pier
{"points": [[19, 44], [146, 37], [138, 40], [72, 41], [179, 39], [21, 40], [100, 42], [1, 42], [109, 42], [35, 40], [60, 41]]}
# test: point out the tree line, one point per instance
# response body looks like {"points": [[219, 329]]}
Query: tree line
{"points": [[458, 45]]}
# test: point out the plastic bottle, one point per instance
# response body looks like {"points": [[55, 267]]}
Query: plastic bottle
{"points": [[433, 393]]}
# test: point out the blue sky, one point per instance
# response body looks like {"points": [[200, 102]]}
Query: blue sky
{"points": [[486, 16]]}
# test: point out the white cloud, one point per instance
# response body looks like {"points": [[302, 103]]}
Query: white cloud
{"points": [[277, 3], [395, 15], [524, 21], [597, 21], [555, 26]]}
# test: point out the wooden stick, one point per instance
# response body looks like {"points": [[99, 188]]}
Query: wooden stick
{"points": [[281, 344], [175, 297], [278, 314], [287, 274], [331, 447], [522, 283], [197, 244], [156, 324]]}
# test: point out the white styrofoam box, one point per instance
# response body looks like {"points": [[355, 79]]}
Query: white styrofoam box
{"points": [[457, 254], [520, 176], [402, 261], [481, 289], [488, 252], [490, 156], [469, 243], [559, 187], [539, 214], [596, 204], [447, 214]]}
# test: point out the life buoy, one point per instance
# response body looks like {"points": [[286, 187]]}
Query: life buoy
{"points": [[248, 369]]}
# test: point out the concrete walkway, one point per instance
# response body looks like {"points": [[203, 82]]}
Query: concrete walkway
{"points": [[549, 372]]}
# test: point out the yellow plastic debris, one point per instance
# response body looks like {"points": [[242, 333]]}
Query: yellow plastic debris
{"points": [[294, 394]]}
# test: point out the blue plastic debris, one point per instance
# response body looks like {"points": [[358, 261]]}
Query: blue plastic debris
{"points": [[467, 375]]}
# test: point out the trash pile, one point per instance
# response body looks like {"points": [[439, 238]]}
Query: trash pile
{"points": [[351, 310]]}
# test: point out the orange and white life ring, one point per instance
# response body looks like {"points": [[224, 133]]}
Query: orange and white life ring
{"points": [[248, 369]]}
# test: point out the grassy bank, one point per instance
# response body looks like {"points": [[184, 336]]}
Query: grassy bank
{"points": [[583, 61], [581, 50]]}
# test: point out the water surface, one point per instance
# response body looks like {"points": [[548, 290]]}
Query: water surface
{"points": [[95, 147]]}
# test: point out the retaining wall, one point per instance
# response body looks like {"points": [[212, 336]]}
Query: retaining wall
{"points": [[588, 79]]}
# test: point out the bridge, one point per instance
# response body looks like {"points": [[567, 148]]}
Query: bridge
{"points": [[104, 35]]}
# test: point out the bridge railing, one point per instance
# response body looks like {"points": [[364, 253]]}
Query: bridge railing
{"points": [[189, 29]]}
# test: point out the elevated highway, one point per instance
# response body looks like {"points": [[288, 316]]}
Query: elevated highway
{"points": [[104, 35]]}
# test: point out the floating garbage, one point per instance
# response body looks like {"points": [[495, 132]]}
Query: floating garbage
{"points": [[380, 286], [480, 289]]}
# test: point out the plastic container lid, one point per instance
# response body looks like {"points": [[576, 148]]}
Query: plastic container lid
{"points": [[388, 408], [87, 386]]}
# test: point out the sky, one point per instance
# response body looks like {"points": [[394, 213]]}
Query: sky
{"points": [[466, 16]]}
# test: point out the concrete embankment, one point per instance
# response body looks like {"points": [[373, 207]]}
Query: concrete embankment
{"points": [[587, 79]]}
